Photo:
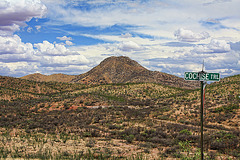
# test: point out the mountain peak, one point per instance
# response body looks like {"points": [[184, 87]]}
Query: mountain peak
{"points": [[125, 70], [118, 66], [112, 70], [122, 60]]}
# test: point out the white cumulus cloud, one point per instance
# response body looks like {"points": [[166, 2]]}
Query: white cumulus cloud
{"points": [[69, 43], [215, 46], [189, 36], [47, 48], [64, 38], [13, 49], [64, 60], [129, 46]]}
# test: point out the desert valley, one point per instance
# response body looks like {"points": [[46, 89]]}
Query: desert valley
{"points": [[117, 110]]}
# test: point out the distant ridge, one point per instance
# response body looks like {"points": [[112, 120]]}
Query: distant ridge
{"points": [[117, 70], [47, 78], [125, 70]]}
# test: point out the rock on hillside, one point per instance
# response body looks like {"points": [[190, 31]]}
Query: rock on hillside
{"points": [[124, 70]]}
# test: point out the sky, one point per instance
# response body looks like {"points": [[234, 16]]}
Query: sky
{"points": [[73, 36]]}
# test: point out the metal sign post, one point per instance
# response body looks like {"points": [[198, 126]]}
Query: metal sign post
{"points": [[203, 77], [203, 85]]}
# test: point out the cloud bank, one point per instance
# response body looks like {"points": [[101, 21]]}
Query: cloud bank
{"points": [[14, 14], [215, 46], [168, 36], [23, 58]]}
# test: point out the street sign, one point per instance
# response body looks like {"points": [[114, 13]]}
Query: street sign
{"points": [[198, 76], [213, 77], [191, 76], [203, 77]]}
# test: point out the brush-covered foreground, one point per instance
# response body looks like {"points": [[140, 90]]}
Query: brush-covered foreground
{"points": [[51, 120]]}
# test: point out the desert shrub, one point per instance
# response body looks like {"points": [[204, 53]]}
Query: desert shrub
{"points": [[87, 103], [160, 132], [155, 140], [66, 106], [216, 145], [174, 151], [113, 126], [90, 143], [150, 131], [163, 117], [176, 127], [166, 142], [236, 153], [185, 131], [131, 130], [141, 137], [95, 133], [87, 134], [129, 138], [223, 141], [184, 135], [212, 155], [194, 138], [148, 145], [226, 109]]}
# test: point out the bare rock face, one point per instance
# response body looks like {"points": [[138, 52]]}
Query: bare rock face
{"points": [[124, 70]]}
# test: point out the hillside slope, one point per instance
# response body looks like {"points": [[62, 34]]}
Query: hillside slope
{"points": [[118, 120], [16, 88]]}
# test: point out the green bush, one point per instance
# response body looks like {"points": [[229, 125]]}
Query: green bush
{"points": [[185, 131], [130, 138], [224, 141], [227, 109]]}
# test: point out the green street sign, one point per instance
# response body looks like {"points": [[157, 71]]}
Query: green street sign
{"points": [[198, 76], [212, 76], [191, 76]]}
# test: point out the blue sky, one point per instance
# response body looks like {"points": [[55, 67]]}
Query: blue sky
{"points": [[71, 37]]}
